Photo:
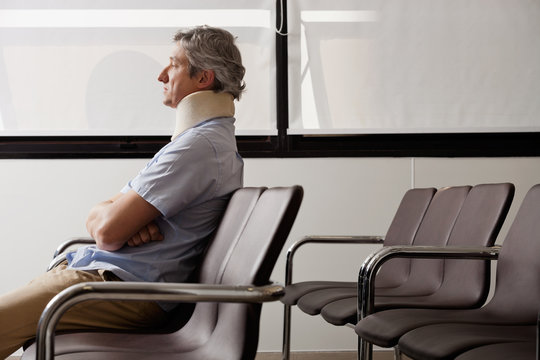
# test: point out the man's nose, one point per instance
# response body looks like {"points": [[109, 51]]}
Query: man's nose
{"points": [[164, 76]]}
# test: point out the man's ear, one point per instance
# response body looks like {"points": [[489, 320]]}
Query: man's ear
{"points": [[206, 79]]}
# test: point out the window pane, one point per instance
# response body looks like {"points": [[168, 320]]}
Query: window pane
{"points": [[88, 67], [414, 66]]}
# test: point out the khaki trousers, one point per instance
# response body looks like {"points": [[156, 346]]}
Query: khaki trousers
{"points": [[21, 309]]}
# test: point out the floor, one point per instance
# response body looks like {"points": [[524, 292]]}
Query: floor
{"points": [[377, 355]]}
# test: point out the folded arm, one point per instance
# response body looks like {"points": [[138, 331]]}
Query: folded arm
{"points": [[125, 218]]}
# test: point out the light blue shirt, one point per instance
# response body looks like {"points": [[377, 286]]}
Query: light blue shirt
{"points": [[189, 181]]}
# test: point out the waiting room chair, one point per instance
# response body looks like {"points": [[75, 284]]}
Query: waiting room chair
{"points": [[429, 283], [402, 230], [510, 316], [236, 268], [405, 226]]}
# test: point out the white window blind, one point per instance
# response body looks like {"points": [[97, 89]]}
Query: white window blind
{"points": [[408, 66], [90, 67]]}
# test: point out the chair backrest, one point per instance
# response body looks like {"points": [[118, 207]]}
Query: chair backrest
{"points": [[220, 247], [517, 291], [465, 282], [230, 229], [402, 231], [425, 275], [459, 283], [243, 254]]}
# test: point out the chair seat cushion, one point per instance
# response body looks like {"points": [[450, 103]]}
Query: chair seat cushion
{"points": [[446, 341], [504, 351], [313, 302], [293, 292]]}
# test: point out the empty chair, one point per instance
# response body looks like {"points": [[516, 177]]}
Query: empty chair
{"points": [[421, 333], [402, 230], [441, 214], [462, 283], [243, 252], [434, 229]]}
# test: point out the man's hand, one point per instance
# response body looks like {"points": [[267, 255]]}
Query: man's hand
{"points": [[148, 233], [123, 218]]}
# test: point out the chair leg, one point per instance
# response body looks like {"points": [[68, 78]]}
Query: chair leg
{"points": [[397, 353], [286, 350], [365, 350]]}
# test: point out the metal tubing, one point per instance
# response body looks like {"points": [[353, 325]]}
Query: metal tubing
{"points": [[75, 241], [141, 291], [397, 353], [313, 239], [57, 261]]}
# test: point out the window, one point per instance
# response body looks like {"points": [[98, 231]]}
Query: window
{"points": [[324, 78], [90, 67], [413, 66]]}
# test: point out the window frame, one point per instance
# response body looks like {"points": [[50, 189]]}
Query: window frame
{"points": [[282, 145]]}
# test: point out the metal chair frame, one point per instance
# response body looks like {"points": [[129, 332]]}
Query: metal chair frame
{"points": [[314, 239], [368, 271]]}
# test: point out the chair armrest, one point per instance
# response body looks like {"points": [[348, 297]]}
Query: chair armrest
{"points": [[60, 255], [321, 239], [369, 268], [75, 241], [177, 292]]}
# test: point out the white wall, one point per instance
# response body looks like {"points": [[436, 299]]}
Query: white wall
{"points": [[44, 202]]}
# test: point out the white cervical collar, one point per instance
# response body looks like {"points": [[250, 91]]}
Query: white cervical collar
{"points": [[200, 106]]}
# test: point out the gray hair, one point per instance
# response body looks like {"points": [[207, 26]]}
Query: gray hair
{"points": [[209, 48]]}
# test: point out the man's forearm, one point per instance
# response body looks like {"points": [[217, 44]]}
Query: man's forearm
{"points": [[126, 218], [98, 228]]}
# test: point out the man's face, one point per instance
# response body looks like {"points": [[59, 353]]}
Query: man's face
{"points": [[175, 77]]}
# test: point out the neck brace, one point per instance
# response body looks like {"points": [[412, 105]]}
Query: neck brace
{"points": [[201, 106]]}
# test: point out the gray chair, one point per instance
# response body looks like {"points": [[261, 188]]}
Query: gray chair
{"points": [[462, 284], [433, 225], [435, 228], [422, 333], [401, 231], [232, 282]]}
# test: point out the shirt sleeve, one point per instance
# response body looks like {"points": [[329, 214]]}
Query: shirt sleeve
{"points": [[184, 174]]}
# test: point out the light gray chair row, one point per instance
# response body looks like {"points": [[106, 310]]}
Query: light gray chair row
{"points": [[506, 326]]}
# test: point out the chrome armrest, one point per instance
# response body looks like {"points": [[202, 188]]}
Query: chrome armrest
{"points": [[175, 292], [321, 239], [368, 270], [75, 241], [60, 255], [318, 239]]}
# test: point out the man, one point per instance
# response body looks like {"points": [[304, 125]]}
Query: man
{"points": [[158, 225]]}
